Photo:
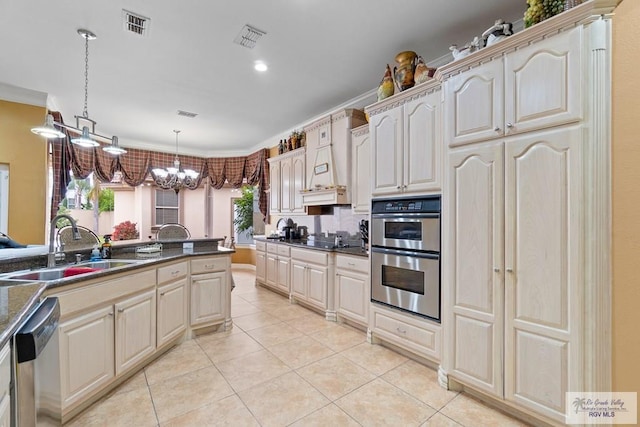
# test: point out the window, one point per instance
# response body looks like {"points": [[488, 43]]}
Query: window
{"points": [[244, 212], [167, 207]]}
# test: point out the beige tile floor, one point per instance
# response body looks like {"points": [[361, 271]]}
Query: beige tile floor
{"points": [[283, 365]]}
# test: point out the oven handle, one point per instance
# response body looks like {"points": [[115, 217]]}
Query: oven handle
{"points": [[400, 252], [406, 215]]}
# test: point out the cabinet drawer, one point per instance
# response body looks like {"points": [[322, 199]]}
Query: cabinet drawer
{"points": [[284, 250], [5, 370], [172, 272], [206, 265], [407, 331], [352, 263], [316, 257], [272, 248], [261, 246]]}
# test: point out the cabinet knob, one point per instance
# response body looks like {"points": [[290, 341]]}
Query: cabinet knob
{"points": [[111, 313], [509, 270], [497, 270], [509, 125], [398, 187], [497, 129], [121, 310], [162, 294]]}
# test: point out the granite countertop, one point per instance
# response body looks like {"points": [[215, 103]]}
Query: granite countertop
{"points": [[19, 298], [319, 245]]}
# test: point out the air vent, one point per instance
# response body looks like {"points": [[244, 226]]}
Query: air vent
{"points": [[248, 36], [187, 114], [135, 23]]}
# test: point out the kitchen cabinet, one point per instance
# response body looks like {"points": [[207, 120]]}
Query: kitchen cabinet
{"points": [[210, 293], [311, 280], [353, 288], [406, 141], [5, 386], [535, 87], [527, 184], [261, 262], [135, 330], [277, 265], [87, 354], [360, 170], [287, 180], [409, 332], [172, 300]]}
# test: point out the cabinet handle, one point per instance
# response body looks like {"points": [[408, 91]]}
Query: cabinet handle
{"points": [[497, 128], [208, 266], [162, 294], [121, 310], [509, 270], [497, 270], [509, 125], [398, 187], [404, 187], [110, 313], [173, 273], [400, 330]]}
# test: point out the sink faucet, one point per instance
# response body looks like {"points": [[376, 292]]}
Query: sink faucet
{"points": [[51, 257]]}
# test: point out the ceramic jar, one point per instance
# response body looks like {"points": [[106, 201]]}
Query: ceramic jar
{"points": [[403, 72]]}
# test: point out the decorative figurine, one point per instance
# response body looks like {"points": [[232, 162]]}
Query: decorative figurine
{"points": [[470, 47], [422, 73], [497, 32], [386, 89]]}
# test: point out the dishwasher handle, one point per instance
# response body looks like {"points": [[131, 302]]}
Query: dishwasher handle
{"points": [[34, 334]]}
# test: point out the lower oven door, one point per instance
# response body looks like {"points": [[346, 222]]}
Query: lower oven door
{"points": [[407, 280]]}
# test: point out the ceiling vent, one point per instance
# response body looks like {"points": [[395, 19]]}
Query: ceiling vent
{"points": [[134, 23], [248, 36], [187, 114]]}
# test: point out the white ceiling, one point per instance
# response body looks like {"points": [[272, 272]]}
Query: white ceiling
{"points": [[320, 53]]}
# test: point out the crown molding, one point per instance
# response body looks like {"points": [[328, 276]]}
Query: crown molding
{"points": [[22, 96]]}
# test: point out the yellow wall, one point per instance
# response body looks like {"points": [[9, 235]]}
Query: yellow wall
{"points": [[626, 197], [244, 255], [26, 155]]}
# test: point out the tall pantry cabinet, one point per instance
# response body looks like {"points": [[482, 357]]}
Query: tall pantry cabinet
{"points": [[526, 175]]}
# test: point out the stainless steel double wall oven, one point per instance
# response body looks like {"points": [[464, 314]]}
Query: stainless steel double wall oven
{"points": [[405, 254]]}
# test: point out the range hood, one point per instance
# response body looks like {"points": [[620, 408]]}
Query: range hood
{"points": [[328, 158]]}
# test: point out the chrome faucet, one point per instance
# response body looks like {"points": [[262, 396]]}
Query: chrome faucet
{"points": [[51, 257]]}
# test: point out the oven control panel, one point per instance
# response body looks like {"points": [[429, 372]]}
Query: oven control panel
{"points": [[414, 205]]}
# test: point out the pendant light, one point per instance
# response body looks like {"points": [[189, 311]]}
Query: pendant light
{"points": [[84, 140], [114, 148], [48, 129], [175, 178]]}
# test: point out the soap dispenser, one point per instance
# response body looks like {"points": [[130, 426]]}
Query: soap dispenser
{"points": [[95, 254], [106, 247]]}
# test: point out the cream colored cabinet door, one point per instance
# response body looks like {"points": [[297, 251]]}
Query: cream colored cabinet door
{"points": [[543, 83], [261, 266], [208, 297], [386, 146], [286, 186], [272, 269], [172, 311], [135, 330], [474, 104], [543, 269], [317, 283], [5, 411], [298, 182], [299, 279], [87, 350], [283, 272], [352, 296], [422, 143], [275, 190], [476, 239], [361, 170]]}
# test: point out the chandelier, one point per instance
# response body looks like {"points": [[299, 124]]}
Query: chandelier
{"points": [[87, 138], [175, 178]]}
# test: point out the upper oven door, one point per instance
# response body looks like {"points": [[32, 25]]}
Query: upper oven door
{"points": [[418, 232]]}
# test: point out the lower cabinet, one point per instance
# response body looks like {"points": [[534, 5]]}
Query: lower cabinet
{"points": [[277, 268], [87, 354], [412, 333], [5, 411], [210, 291], [5, 386], [310, 273], [353, 288], [172, 311], [135, 330], [261, 262]]}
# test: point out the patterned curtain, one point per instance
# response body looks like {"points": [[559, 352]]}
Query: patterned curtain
{"points": [[134, 165], [60, 165], [234, 170], [105, 165], [256, 170], [215, 167]]}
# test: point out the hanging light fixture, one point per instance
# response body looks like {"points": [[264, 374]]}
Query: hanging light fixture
{"points": [[87, 137], [175, 178]]}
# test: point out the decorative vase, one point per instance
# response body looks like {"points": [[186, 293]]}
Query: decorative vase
{"points": [[386, 89], [403, 72]]}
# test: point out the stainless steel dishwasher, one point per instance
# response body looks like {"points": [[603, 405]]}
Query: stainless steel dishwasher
{"points": [[37, 385]]}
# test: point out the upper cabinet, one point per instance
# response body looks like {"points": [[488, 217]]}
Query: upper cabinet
{"points": [[360, 170], [287, 175], [531, 88], [406, 141], [329, 158]]}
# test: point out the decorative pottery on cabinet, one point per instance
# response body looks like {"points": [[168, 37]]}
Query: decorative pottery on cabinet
{"points": [[386, 89], [403, 72]]}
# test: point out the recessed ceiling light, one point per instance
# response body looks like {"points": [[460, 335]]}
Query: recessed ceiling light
{"points": [[260, 66]]}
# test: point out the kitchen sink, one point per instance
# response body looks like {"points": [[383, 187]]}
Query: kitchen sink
{"points": [[61, 272]]}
